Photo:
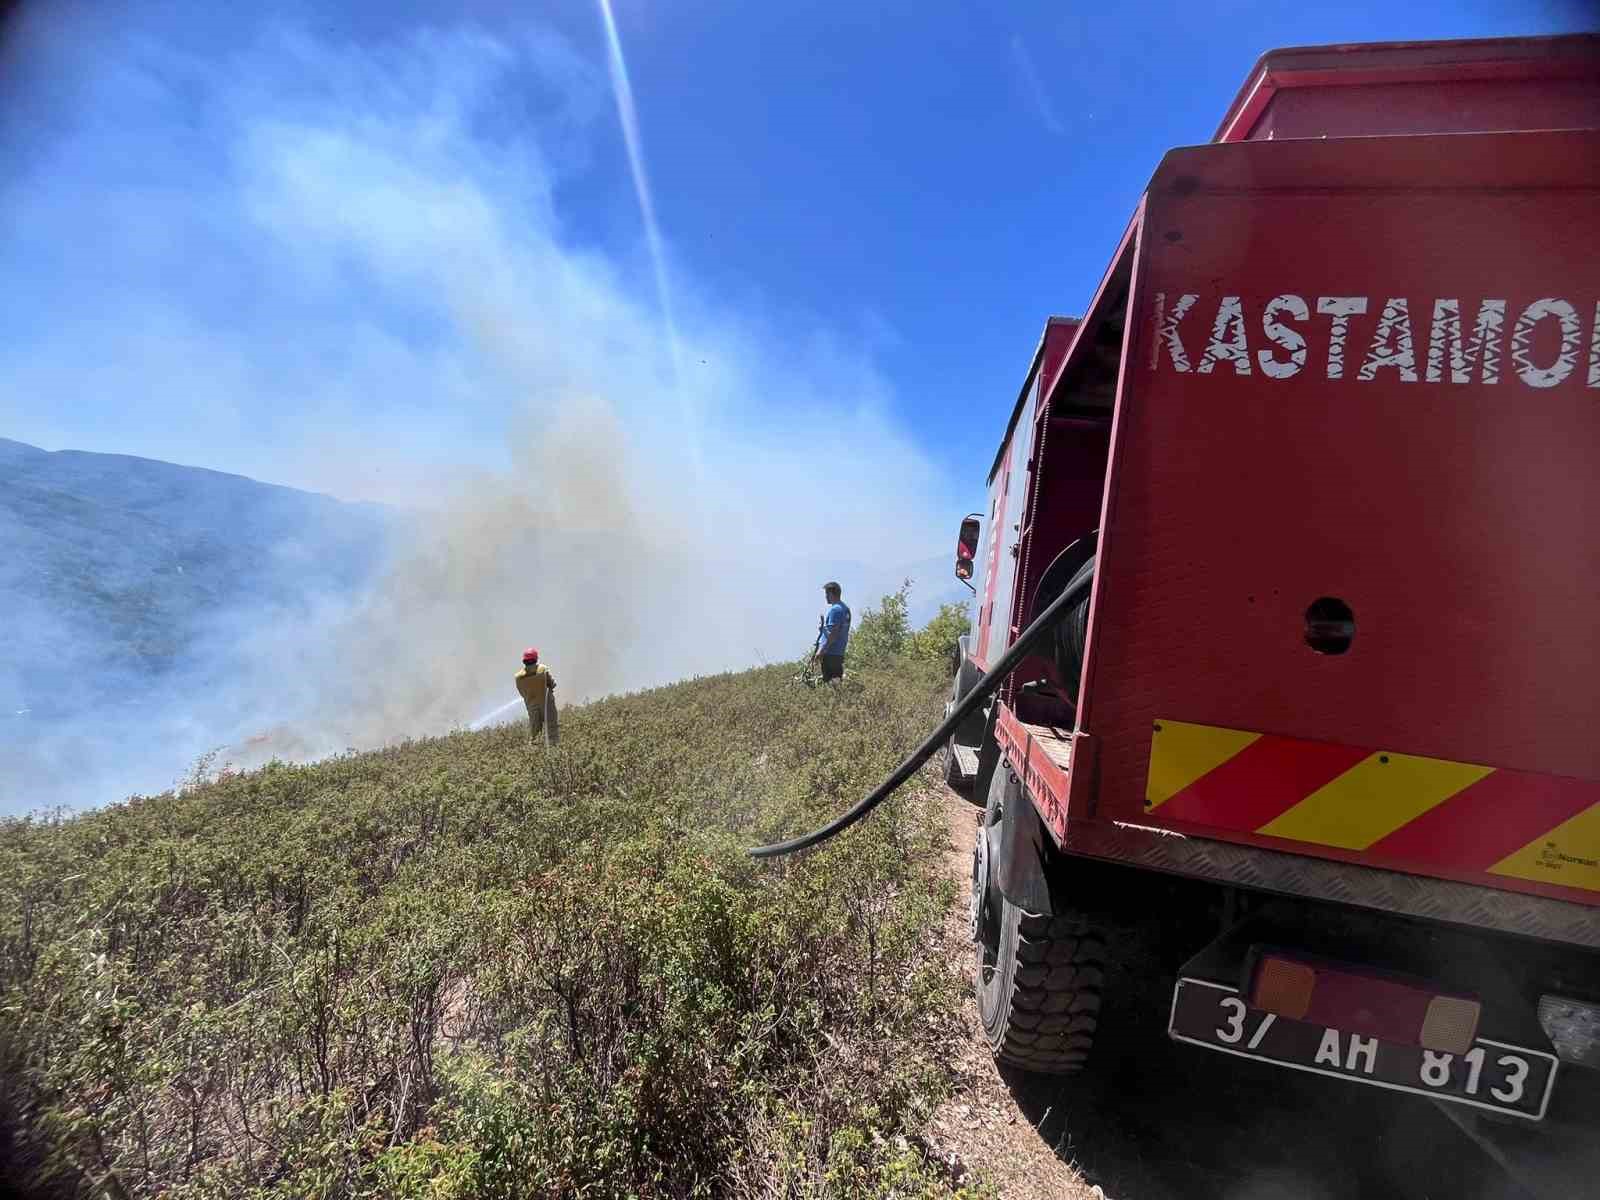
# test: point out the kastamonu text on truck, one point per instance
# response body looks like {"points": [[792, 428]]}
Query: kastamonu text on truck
{"points": [[1300, 523]]}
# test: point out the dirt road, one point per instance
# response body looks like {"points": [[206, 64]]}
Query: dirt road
{"points": [[1153, 1119]]}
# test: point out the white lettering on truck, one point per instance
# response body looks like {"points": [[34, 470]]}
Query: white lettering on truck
{"points": [[1594, 349], [1566, 357], [1391, 344], [1283, 335], [1228, 342], [1484, 348], [1167, 325], [1341, 309], [1287, 325]]}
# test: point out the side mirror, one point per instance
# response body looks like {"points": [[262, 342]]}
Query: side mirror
{"points": [[967, 547]]}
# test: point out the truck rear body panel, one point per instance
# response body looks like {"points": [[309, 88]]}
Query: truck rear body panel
{"points": [[1468, 86], [1302, 416], [1347, 352]]}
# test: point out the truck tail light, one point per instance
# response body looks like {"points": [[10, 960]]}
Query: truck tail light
{"points": [[1574, 1027], [1370, 1003], [1450, 1024], [1284, 987]]}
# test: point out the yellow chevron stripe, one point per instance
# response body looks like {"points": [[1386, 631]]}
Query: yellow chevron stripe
{"points": [[1180, 753], [1569, 855], [1372, 799]]}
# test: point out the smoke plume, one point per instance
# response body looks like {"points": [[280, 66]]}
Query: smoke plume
{"points": [[352, 266]]}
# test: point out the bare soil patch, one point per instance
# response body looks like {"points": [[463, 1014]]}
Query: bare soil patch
{"points": [[981, 1131]]}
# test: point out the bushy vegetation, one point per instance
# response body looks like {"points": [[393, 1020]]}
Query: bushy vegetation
{"points": [[938, 640], [465, 967], [880, 633], [884, 633]]}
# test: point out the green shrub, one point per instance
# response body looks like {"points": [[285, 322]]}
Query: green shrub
{"points": [[939, 640], [464, 968], [881, 633]]}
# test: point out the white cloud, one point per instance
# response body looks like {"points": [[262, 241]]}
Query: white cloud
{"points": [[409, 317]]}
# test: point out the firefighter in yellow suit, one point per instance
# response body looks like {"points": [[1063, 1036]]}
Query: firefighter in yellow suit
{"points": [[537, 688]]}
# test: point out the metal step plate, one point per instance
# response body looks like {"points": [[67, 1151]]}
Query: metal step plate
{"points": [[966, 760]]}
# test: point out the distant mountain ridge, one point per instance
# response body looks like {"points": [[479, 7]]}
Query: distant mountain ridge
{"points": [[113, 564]]}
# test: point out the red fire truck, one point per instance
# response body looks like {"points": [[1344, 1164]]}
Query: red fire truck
{"points": [[1320, 470]]}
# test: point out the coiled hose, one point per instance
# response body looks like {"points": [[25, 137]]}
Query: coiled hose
{"points": [[1042, 625]]}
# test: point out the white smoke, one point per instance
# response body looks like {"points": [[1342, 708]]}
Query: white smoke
{"points": [[377, 293]]}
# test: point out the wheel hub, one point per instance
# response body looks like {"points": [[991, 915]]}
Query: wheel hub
{"points": [[980, 907]]}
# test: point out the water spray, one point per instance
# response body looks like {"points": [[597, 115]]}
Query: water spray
{"points": [[487, 717]]}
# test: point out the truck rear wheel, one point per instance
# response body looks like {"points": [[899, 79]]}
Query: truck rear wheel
{"points": [[1039, 977]]}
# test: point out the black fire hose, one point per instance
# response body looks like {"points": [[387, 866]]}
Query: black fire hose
{"points": [[1008, 661]]}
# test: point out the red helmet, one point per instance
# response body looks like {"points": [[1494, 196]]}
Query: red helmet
{"points": [[530, 655]]}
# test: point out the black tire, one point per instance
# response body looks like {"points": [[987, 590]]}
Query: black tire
{"points": [[1039, 996], [1038, 977]]}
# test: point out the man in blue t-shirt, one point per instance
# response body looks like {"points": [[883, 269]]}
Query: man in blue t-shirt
{"points": [[833, 632]]}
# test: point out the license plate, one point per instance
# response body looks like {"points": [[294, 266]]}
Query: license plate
{"points": [[1492, 1075]]}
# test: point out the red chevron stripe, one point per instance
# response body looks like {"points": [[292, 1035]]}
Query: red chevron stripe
{"points": [[1265, 779], [1483, 823]]}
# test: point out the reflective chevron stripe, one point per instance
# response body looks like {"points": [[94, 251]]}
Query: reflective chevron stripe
{"points": [[1400, 808]]}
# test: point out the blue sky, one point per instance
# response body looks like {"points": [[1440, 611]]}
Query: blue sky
{"points": [[877, 205]]}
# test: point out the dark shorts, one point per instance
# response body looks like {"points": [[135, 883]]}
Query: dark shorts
{"points": [[832, 667]]}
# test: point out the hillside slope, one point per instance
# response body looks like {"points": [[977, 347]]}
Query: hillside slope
{"points": [[467, 967], [115, 564]]}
